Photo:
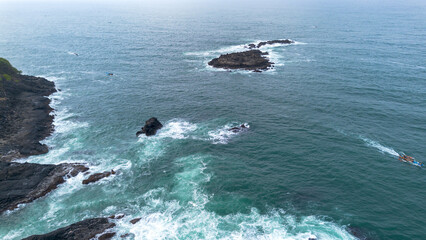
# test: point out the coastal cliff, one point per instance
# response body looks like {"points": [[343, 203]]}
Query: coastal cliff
{"points": [[25, 117], [25, 120]]}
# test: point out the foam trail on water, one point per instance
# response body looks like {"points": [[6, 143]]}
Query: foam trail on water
{"points": [[380, 147]]}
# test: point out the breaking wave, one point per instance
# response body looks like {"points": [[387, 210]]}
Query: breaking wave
{"points": [[183, 214]]}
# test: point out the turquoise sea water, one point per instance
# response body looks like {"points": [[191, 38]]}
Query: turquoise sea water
{"points": [[325, 124]]}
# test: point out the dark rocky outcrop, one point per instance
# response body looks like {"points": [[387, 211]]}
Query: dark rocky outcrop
{"points": [[361, 233], [249, 60], [83, 230], [118, 216], [98, 176], [285, 41], [260, 44], [135, 220], [238, 129], [151, 127], [25, 182], [25, 117]]}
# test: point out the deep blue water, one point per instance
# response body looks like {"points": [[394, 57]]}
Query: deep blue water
{"points": [[326, 123]]}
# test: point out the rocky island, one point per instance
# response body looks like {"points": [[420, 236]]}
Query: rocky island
{"points": [[252, 60]]}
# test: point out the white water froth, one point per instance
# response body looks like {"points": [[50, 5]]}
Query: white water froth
{"points": [[223, 135], [380, 147], [180, 129], [175, 129], [184, 216]]}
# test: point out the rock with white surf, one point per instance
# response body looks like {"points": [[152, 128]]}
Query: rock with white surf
{"points": [[151, 127]]}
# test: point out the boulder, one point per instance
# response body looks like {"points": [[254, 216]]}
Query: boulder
{"points": [[151, 127]]}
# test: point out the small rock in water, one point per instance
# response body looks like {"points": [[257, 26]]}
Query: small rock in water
{"points": [[118, 216], [151, 127], [238, 129], [97, 176], [135, 220]]}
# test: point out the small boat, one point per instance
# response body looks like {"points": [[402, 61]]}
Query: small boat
{"points": [[110, 74], [404, 158]]}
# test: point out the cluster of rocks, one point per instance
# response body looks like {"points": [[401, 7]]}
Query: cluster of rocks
{"points": [[253, 59]]}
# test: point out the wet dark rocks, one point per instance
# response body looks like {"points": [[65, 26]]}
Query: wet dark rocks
{"points": [[284, 41], [106, 236], [260, 44], [361, 233], [118, 216], [24, 182], [83, 230], [249, 60], [151, 127], [238, 129], [98, 176]]}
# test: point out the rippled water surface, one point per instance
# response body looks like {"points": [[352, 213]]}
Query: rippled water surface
{"points": [[325, 125]]}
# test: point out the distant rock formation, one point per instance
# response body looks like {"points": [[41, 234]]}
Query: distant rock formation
{"points": [[253, 60], [249, 60], [83, 230], [97, 176], [284, 41], [25, 117], [151, 127], [25, 182]]}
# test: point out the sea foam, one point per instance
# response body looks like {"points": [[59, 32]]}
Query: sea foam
{"points": [[183, 215], [380, 147]]}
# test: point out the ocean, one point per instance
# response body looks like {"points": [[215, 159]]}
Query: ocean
{"points": [[326, 124]]}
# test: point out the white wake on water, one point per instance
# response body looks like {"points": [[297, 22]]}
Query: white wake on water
{"points": [[380, 147]]}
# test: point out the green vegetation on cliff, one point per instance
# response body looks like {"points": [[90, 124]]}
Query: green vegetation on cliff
{"points": [[7, 73]]}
